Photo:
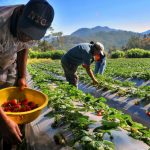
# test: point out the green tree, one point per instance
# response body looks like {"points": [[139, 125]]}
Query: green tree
{"points": [[45, 46], [60, 39], [134, 42], [146, 42]]}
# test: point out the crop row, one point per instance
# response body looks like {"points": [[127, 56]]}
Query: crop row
{"points": [[125, 88], [62, 99], [129, 68]]}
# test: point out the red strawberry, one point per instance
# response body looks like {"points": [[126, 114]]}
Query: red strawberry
{"points": [[31, 103], [24, 102], [148, 113], [18, 106], [100, 112], [13, 102], [9, 104], [15, 110], [5, 104], [28, 108], [22, 109], [7, 109]]}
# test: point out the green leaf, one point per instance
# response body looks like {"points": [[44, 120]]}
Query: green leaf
{"points": [[110, 145], [51, 114], [137, 125], [86, 139], [109, 124]]}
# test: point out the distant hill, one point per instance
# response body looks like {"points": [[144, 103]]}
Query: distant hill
{"points": [[146, 32], [108, 36], [87, 31]]}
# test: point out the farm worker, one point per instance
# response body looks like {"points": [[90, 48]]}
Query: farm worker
{"points": [[79, 55], [100, 61], [19, 25]]}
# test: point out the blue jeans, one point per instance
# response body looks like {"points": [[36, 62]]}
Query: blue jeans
{"points": [[100, 67]]}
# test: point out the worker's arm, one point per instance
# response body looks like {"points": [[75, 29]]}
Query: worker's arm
{"points": [[21, 66], [9, 129], [90, 73]]}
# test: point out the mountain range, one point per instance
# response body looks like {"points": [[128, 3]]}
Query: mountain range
{"points": [[146, 32], [87, 31], [108, 36]]}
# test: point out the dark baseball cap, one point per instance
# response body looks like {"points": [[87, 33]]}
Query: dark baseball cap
{"points": [[37, 16]]}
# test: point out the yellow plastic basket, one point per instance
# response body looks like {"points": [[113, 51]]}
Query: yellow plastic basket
{"points": [[32, 95]]}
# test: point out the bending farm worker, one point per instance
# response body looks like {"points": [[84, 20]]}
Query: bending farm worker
{"points": [[19, 25], [79, 55]]}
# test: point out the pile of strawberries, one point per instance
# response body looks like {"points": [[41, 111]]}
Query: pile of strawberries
{"points": [[18, 105]]}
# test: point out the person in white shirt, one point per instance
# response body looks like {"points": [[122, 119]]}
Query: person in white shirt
{"points": [[100, 61]]}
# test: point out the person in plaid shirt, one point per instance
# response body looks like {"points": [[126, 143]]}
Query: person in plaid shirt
{"points": [[19, 26]]}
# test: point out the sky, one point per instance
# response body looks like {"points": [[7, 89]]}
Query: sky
{"points": [[70, 15]]}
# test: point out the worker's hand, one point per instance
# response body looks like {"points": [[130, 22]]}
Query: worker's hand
{"points": [[10, 131], [22, 83], [95, 82], [85, 66]]}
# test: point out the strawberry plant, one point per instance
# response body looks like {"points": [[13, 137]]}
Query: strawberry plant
{"points": [[65, 100]]}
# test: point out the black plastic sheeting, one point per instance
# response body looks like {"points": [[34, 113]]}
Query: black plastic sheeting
{"points": [[39, 134]]}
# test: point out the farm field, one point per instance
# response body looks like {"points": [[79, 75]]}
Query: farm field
{"points": [[127, 77], [70, 107]]}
